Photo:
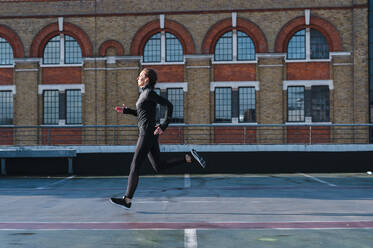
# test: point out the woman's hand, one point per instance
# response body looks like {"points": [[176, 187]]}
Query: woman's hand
{"points": [[158, 130], [120, 109]]}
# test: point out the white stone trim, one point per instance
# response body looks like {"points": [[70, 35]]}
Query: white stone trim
{"points": [[307, 60], [234, 19], [234, 62], [234, 84], [60, 24], [61, 65], [343, 64], [161, 21], [307, 13], [278, 65], [198, 56], [307, 83], [12, 88], [340, 53], [112, 69], [27, 70], [7, 66], [198, 67], [27, 60], [61, 87], [270, 55], [164, 86]]}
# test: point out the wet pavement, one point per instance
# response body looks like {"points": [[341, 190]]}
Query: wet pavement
{"points": [[269, 210]]}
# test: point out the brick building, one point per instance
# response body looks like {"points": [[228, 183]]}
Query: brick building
{"points": [[234, 64]]}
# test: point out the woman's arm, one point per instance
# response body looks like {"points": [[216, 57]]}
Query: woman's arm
{"points": [[125, 110], [164, 102]]}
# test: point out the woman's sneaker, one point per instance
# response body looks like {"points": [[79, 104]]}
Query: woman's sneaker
{"points": [[120, 201], [198, 158]]}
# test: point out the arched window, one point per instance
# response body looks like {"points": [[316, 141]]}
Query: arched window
{"points": [[62, 49], [245, 47], [6, 52], [224, 47], [163, 47], [233, 46], [306, 44], [319, 45]]}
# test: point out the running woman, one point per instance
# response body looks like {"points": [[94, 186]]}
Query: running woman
{"points": [[147, 146]]}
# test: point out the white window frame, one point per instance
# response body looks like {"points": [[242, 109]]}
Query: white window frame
{"points": [[307, 84], [308, 52], [172, 85], [234, 85], [62, 55], [61, 88]]}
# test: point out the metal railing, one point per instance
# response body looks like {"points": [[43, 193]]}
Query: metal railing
{"points": [[189, 134]]}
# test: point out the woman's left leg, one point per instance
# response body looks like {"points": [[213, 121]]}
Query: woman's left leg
{"points": [[162, 165]]}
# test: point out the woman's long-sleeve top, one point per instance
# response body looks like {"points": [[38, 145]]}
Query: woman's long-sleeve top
{"points": [[146, 110]]}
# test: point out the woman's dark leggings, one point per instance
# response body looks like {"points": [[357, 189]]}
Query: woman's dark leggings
{"points": [[148, 147]]}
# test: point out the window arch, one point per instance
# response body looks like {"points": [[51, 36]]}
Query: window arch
{"points": [[234, 45], [6, 52], [308, 44], [62, 49], [163, 47]]}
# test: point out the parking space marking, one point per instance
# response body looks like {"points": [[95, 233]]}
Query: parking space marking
{"points": [[187, 181], [190, 238], [318, 180], [55, 183]]}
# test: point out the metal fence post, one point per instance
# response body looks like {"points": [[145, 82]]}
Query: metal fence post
{"points": [[244, 135], [310, 130]]}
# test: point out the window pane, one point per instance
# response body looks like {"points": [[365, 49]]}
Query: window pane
{"points": [[6, 108], [319, 45], [176, 97], [51, 106], [320, 103], [245, 47], [174, 49], [73, 52], [52, 51], [223, 105], [73, 107], [297, 46], [295, 104], [6, 52], [152, 49], [247, 104], [224, 48]]}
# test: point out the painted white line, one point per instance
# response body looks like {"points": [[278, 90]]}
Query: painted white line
{"points": [[56, 183], [187, 181], [318, 180], [190, 238]]}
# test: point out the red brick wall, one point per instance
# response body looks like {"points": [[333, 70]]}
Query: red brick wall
{"points": [[172, 135], [6, 136], [235, 135], [235, 72], [308, 71], [62, 75], [61, 136], [169, 73], [6, 76], [301, 135]]}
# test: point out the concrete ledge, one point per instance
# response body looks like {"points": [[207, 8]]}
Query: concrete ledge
{"points": [[72, 151], [32, 152]]}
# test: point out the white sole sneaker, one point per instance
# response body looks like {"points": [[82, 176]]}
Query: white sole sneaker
{"points": [[198, 158]]}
